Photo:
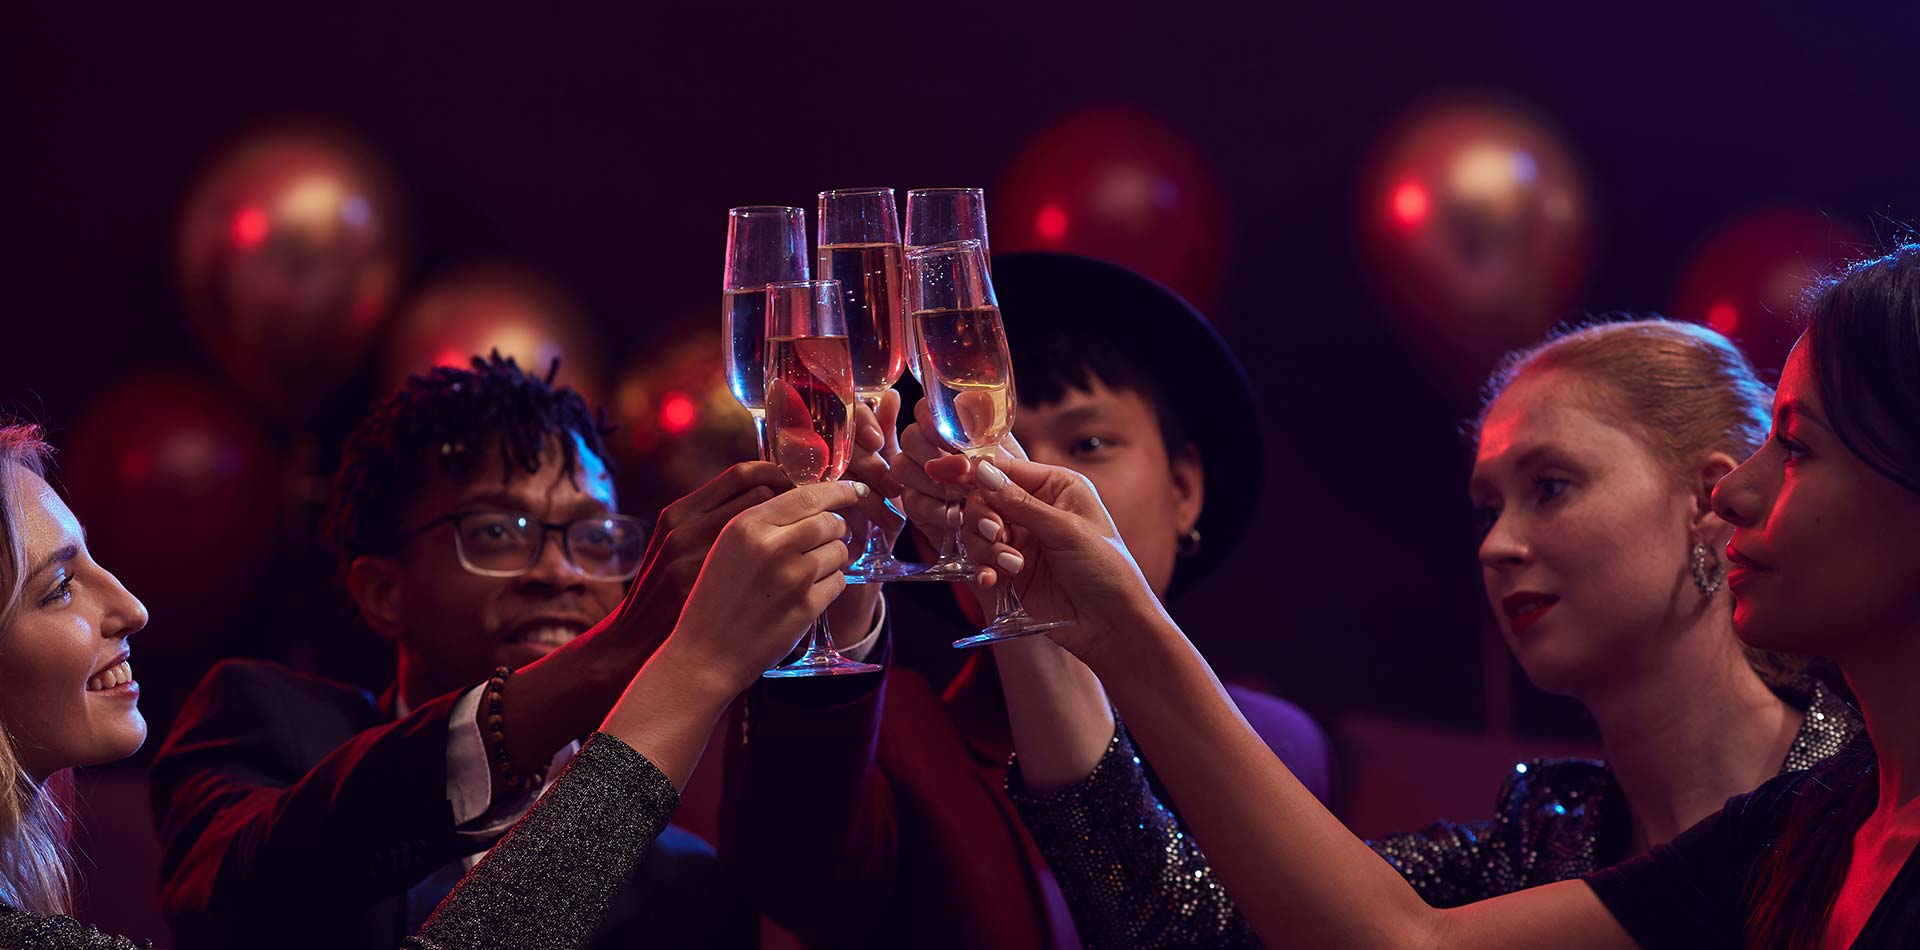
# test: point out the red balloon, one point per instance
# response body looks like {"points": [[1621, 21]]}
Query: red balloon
{"points": [[180, 494], [289, 256], [1473, 223], [1119, 184], [484, 309], [1749, 277]]}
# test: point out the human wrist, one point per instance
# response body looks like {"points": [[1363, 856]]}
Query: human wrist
{"points": [[693, 658]]}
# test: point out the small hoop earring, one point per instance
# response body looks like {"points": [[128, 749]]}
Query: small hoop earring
{"points": [[1708, 572], [1190, 543]]}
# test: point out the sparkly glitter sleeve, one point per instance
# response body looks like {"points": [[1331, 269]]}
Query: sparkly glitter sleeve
{"points": [[545, 885], [18, 929], [1130, 873], [1449, 864]]}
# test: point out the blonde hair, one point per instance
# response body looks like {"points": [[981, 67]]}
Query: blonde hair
{"points": [[36, 829], [1684, 389]]}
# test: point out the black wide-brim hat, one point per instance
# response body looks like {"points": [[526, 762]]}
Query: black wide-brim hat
{"points": [[1196, 372]]}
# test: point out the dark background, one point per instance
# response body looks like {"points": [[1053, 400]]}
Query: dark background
{"points": [[602, 148]]}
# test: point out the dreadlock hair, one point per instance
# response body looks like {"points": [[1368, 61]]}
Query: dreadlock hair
{"points": [[446, 420]]}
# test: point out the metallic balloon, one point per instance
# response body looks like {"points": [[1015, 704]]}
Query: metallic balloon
{"points": [[180, 492], [289, 257], [1749, 277], [1474, 225], [1122, 185], [482, 309]]}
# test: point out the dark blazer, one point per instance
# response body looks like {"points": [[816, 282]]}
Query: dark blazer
{"points": [[871, 811], [284, 799]]}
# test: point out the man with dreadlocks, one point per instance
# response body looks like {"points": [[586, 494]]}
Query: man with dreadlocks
{"points": [[474, 521]]}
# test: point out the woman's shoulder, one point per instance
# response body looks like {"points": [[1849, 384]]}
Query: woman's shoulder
{"points": [[1830, 724]]}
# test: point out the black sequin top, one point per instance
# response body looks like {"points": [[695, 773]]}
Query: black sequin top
{"points": [[544, 886], [1133, 878]]}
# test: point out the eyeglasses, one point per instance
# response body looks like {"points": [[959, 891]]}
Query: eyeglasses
{"points": [[509, 543]]}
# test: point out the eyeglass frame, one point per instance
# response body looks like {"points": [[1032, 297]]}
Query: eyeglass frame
{"points": [[546, 527]]}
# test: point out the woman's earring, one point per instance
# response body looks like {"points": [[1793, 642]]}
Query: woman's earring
{"points": [[1190, 543], [1708, 572]]}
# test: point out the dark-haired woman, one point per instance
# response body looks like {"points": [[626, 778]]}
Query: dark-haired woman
{"points": [[1826, 548], [69, 699]]}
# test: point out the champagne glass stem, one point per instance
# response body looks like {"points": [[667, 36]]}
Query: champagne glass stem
{"points": [[760, 435], [955, 520]]}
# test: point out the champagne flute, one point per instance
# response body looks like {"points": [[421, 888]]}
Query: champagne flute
{"points": [[937, 216], [809, 413], [969, 385], [765, 244], [859, 246]]}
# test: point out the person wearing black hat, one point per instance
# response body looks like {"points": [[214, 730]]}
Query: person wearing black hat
{"points": [[871, 811]]}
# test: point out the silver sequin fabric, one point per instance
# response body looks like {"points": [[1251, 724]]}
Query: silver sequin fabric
{"points": [[545, 885], [24, 931], [1133, 878]]}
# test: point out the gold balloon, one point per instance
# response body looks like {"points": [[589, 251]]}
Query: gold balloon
{"points": [[483, 309], [1474, 220], [289, 258]]}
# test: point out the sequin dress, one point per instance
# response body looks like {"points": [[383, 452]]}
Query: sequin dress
{"points": [[1135, 879], [544, 886]]}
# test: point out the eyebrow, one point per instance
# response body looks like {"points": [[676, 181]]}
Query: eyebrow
{"points": [[508, 501], [1795, 409], [60, 556], [1530, 457], [1082, 413]]}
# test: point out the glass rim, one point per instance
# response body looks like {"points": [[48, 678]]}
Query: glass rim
{"points": [[747, 211], [855, 192], [819, 282], [939, 191], [961, 246]]}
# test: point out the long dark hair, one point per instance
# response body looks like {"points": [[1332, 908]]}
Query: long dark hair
{"points": [[1864, 340]]}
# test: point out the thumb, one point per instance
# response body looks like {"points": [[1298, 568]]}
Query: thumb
{"points": [[1008, 486]]}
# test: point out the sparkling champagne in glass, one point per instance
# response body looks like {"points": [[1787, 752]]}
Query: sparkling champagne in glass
{"points": [[859, 246], [939, 216], [765, 244], [809, 414], [968, 378]]}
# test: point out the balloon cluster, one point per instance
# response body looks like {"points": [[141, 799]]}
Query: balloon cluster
{"points": [[1473, 221]]}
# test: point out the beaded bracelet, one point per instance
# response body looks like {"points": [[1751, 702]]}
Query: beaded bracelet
{"points": [[497, 735]]}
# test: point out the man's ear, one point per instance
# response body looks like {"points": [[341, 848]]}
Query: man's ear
{"points": [[1189, 487], [374, 584]]}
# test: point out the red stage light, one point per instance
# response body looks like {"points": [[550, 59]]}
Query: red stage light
{"points": [[1724, 318], [249, 227], [453, 356], [676, 413], [1051, 224], [1410, 202]]}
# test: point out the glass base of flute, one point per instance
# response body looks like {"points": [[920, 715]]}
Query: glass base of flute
{"points": [[1010, 621], [820, 658]]}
